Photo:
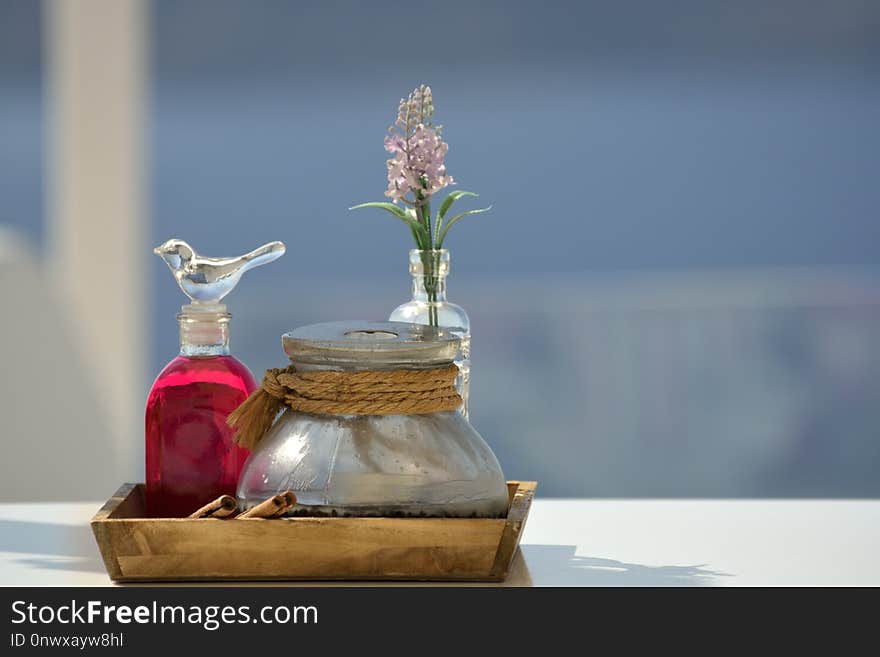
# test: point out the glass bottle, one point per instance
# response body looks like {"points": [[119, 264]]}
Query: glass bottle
{"points": [[433, 464], [190, 454], [429, 269]]}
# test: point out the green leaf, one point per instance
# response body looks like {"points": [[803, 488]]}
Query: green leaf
{"points": [[400, 213], [455, 220], [421, 246], [437, 225], [451, 198], [423, 239], [406, 216]]}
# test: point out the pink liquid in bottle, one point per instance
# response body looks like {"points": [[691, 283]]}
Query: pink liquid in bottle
{"points": [[191, 458]]}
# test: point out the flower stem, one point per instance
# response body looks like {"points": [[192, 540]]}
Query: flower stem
{"points": [[430, 266]]}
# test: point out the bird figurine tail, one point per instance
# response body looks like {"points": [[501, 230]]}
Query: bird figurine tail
{"points": [[263, 255]]}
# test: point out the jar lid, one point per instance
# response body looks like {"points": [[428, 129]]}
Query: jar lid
{"points": [[372, 343]]}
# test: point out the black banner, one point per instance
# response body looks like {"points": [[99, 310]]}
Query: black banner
{"points": [[251, 620]]}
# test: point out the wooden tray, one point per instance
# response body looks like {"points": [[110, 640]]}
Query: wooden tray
{"points": [[137, 549]]}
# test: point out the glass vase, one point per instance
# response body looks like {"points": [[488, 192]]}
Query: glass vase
{"points": [[429, 464]]}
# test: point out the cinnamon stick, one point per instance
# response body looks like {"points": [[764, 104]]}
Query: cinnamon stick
{"points": [[289, 502], [271, 508], [220, 508]]}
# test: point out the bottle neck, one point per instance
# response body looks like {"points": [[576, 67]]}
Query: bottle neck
{"points": [[429, 270], [204, 334], [429, 288]]}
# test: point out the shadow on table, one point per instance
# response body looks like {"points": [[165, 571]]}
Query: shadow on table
{"points": [[72, 547], [60, 547], [558, 565]]}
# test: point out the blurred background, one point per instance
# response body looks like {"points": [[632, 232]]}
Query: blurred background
{"points": [[675, 294]]}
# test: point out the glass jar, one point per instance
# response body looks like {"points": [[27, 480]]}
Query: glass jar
{"points": [[429, 269], [433, 464]]}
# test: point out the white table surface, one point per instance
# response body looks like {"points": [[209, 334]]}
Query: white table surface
{"points": [[567, 542]]}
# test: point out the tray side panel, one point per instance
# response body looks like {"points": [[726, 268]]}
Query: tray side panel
{"points": [[315, 548], [517, 515], [104, 537]]}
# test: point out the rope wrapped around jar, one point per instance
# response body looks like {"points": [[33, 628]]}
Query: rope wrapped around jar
{"points": [[334, 392]]}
